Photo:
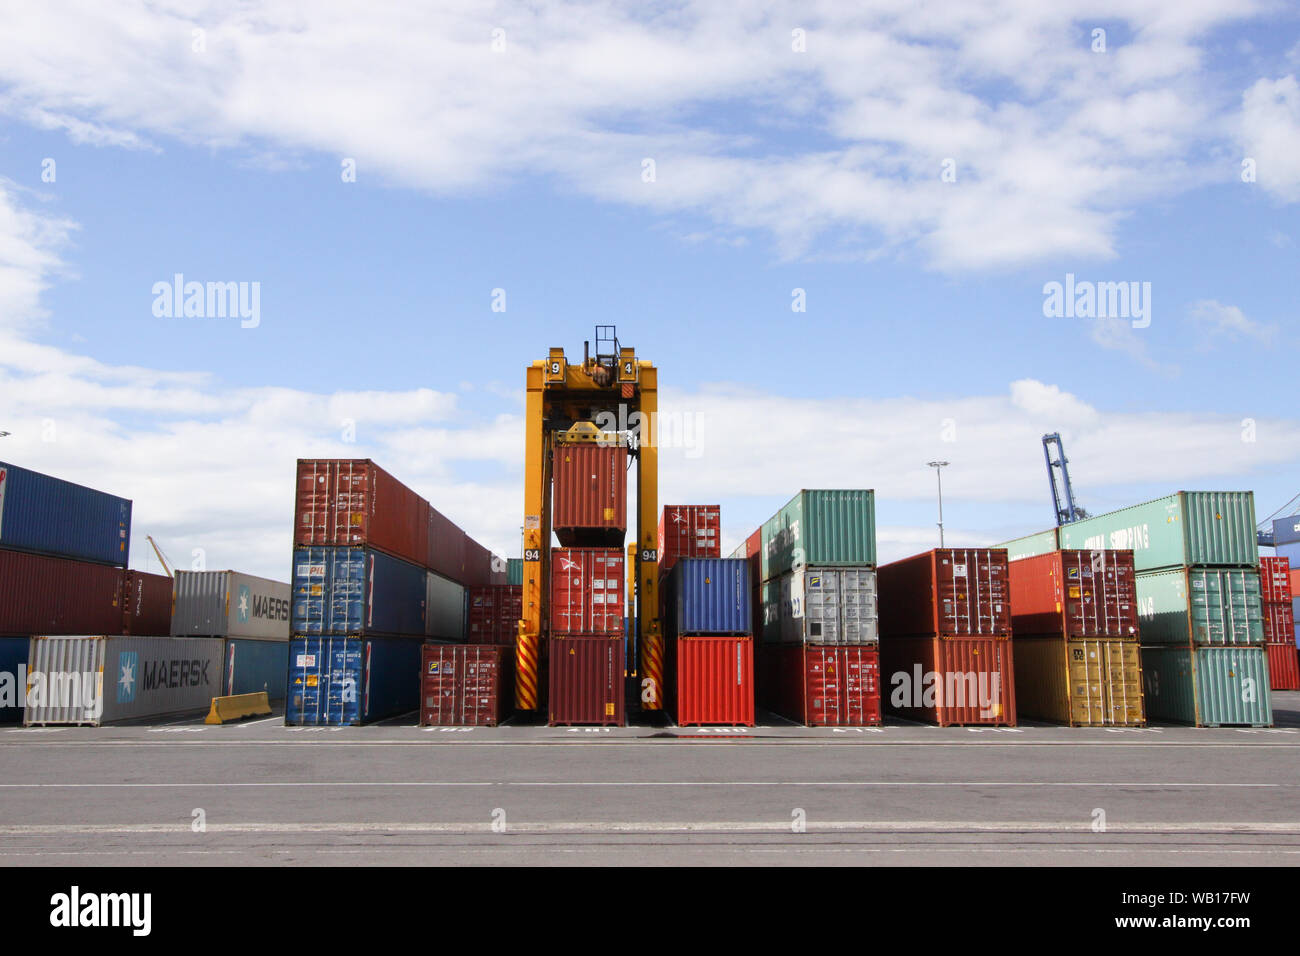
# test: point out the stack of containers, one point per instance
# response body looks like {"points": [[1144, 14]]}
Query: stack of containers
{"points": [[1199, 607], [945, 637], [248, 615], [1279, 623], [494, 614], [710, 645], [1074, 622], [819, 661], [688, 531]]}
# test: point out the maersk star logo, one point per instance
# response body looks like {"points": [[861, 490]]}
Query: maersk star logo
{"points": [[128, 666], [245, 598]]}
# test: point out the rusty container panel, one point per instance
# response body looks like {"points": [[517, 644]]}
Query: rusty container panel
{"points": [[821, 685], [58, 596], [587, 591], [947, 592], [146, 604], [465, 686], [354, 502], [1075, 594], [1283, 666], [1275, 580], [714, 680], [959, 681], [1079, 682], [1279, 624], [689, 531], [590, 483], [586, 680]]}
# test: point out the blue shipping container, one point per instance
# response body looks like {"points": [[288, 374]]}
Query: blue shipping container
{"points": [[356, 591], [47, 515], [1286, 530], [251, 666], [351, 680], [708, 596], [13, 678], [1289, 551]]}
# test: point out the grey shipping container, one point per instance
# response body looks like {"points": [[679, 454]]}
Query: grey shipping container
{"points": [[444, 608], [104, 679], [1286, 530], [229, 604], [829, 606]]}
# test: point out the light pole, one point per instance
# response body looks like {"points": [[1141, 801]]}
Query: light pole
{"points": [[938, 467]]}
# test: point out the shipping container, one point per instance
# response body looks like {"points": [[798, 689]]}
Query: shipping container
{"points": [[713, 680], [356, 591], [229, 604], [105, 679], [1275, 580], [1200, 606], [446, 545], [1082, 682], [355, 503], [769, 604], [146, 604], [947, 592], [821, 685], [1289, 551], [477, 569], [1075, 594], [827, 606], [46, 515], [45, 595], [590, 482], [252, 666], [587, 591], [351, 680], [1214, 528], [1031, 545], [13, 678], [1208, 686], [515, 571], [823, 528], [1283, 666], [707, 596], [1279, 624], [689, 531], [494, 614], [1286, 530], [464, 686], [444, 608], [960, 681], [586, 680]]}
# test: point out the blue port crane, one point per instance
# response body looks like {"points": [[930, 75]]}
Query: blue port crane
{"points": [[1058, 475]]}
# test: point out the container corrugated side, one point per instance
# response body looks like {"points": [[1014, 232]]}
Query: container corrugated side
{"points": [[335, 681], [586, 684], [707, 596], [689, 531], [465, 686], [251, 666], [47, 515], [821, 527], [714, 680], [958, 681], [587, 591], [229, 604], [820, 685], [45, 595], [1275, 580], [1212, 528], [1208, 686], [353, 591], [1286, 530], [146, 604], [1031, 545], [1283, 666], [1076, 594], [946, 592], [352, 502], [590, 495], [515, 571], [13, 678], [444, 608], [829, 606], [1213, 606], [1081, 682]]}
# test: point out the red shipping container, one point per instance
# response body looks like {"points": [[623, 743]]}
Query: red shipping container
{"points": [[1279, 624], [41, 595], [586, 680], [446, 547], [714, 680], [587, 590], [1076, 594], [1294, 577], [590, 483], [1283, 667], [946, 682], [477, 570], [494, 614], [146, 604], [355, 502], [947, 592], [821, 685], [466, 686], [688, 531], [1275, 580]]}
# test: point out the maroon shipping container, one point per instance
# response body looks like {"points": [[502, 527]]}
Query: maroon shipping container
{"points": [[58, 596], [821, 685], [947, 592], [586, 680], [590, 494], [1088, 594], [477, 570], [688, 531], [712, 680], [355, 502], [446, 547], [1283, 666], [146, 604], [956, 681], [494, 614], [587, 589], [1279, 624], [1275, 580], [465, 686]]}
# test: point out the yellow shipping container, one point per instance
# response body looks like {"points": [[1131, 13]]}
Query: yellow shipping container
{"points": [[1082, 682]]}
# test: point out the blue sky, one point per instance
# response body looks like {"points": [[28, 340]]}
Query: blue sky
{"points": [[775, 170]]}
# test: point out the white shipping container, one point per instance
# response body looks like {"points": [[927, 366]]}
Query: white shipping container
{"points": [[229, 604], [444, 608], [829, 606], [103, 679]]}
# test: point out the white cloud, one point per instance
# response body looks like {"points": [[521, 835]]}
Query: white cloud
{"points": [[1214, 319], [1271, 132]]}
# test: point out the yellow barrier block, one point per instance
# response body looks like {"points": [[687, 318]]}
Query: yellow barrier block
{"points": [[237, 706]]}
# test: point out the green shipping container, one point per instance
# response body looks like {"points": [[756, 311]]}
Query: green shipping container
{"points": [[1203, 606], [1212, 528], [768, 627], [1208, 686], [514, 570], [1030, 546], [821, 528]]}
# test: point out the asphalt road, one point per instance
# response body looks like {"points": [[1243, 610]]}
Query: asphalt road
{"points": [[400, 794]]}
